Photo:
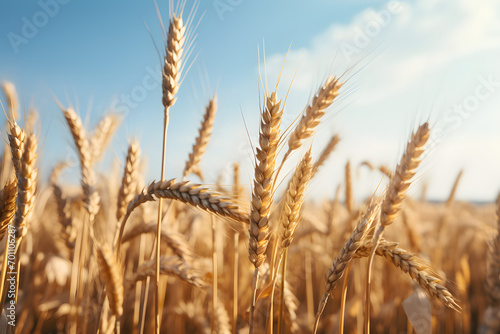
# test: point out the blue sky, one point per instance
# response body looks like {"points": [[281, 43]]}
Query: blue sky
{"points": [[406, 62]]}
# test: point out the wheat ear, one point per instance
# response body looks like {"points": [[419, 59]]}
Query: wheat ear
{"points": [[63, 206], [88, 181], [16, 144], [451, 197], [262, 196], [313, 114], [263, 192], [394, 197], [405, 171], [383, 169], [129, 179], [112, 277], [189, 193], [201, 143], [290, 213], [172, 68], [491, 323], [345, 256], [8, 197], [172, 266], [325, 154], [419, 270], [289, 220], [12, 100], [176, 241], [26, 185], [7, 206], [171, 80], [102, 135]]}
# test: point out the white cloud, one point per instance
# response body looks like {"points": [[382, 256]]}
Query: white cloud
{"points": [[426, 59]]}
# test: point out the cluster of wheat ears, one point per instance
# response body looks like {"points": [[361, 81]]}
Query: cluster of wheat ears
{"points": [[112, 257]]}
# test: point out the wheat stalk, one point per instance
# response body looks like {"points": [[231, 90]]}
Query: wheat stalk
{"points": [[451, 197], [349, 197], [172, 70]]}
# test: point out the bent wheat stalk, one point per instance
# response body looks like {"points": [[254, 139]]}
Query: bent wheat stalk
{"points": [[346, 255], [419, 270], [189, 193]]}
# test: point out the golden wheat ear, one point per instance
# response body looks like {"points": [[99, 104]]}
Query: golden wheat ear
{"points": [[129, 179], [9, 89], [311, 118], [7, 206], [201, 143], [419, 270], [111, 274], [88, 179]]}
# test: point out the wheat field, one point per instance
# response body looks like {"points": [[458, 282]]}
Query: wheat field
{"points": [[132, 255]]}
